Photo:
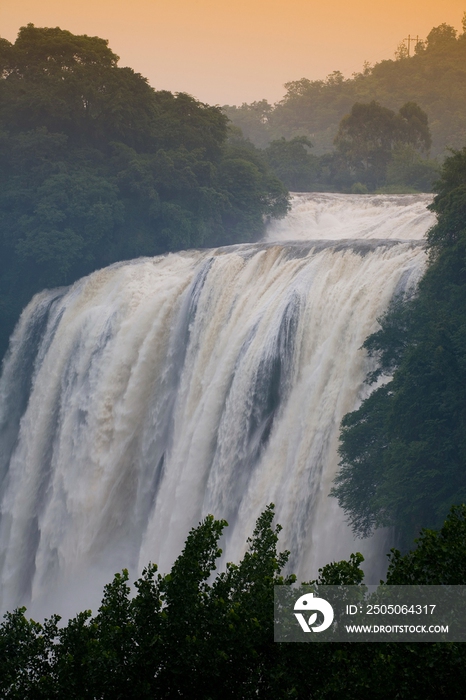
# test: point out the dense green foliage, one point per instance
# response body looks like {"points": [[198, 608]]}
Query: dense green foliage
{"points": [[438, 559], [292, 162], [368, 136], [404, 450], [376, 149], [96, 167], [190, 635], [359, 115], [434, 77]]}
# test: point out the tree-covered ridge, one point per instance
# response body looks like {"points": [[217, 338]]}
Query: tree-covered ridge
{"points": [[434, 77], [373, 141], [96, 166], [403, 452], [189, 634], [376, 150]]}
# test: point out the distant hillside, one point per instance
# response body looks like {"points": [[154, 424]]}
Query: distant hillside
{"points": [[434, 77]]}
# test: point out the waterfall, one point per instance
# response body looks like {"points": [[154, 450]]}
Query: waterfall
{"points": [[156, 391]]}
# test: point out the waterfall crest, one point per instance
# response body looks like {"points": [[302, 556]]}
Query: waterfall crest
{"points": [[153, 392]]}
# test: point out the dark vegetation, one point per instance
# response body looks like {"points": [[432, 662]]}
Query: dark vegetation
{"points": [[189, 635], [375, 146], [376, 150], [403, 452], [434, 78], [96, 167]]}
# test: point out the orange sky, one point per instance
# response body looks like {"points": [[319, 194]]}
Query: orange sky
{"points": [[238, 50]]}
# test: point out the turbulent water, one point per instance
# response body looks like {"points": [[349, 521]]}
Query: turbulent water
{"points": [[336, 216], [156, 391]]}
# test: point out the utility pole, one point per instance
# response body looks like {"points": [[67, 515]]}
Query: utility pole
{"points": [[410, 39]]}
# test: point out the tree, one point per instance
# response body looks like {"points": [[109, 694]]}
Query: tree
{"points": [[367, 136], [414, 127], [401, 52], [292, 162], [71, 84], [246, 179], [450, 205], [186, 635], [438, 559], [251, 120], [97, 167], [432, 78], [408, 169], [440, 37], [403, 452], [179, 635]]}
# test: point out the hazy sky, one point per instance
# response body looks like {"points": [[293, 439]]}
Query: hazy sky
{"points": [[238, 50]]}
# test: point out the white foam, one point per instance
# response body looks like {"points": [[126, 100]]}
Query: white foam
{"points": [[194, 383]]}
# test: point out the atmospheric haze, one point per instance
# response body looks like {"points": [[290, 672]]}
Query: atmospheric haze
{"points": [[241, 51]]}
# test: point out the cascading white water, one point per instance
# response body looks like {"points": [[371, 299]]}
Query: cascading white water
{"points": [[156, 391], [336, 216]]}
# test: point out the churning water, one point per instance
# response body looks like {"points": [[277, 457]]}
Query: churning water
{"points": [[156, 391]]}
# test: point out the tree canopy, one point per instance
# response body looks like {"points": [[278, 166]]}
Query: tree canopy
{"points": [[434, 78], [207, 635], [293, 163], [368, 135], [96, 166], [403, 452]]}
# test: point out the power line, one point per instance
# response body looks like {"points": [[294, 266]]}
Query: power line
{"points": [[410, 39]]}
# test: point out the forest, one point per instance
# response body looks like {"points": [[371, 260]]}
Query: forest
{"points": [[403, 452], [96, 167], [433, 77], [197, 633]]}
